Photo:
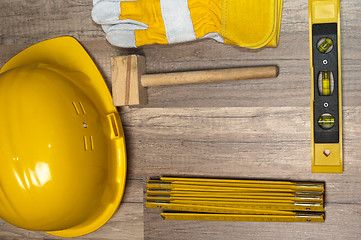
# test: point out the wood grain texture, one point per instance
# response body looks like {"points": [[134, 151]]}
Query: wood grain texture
{"points": [[127, 73], [256, 129], [209, 76], [341, 223]]}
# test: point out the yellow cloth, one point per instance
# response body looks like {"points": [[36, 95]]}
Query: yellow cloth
{"points": [[148, 12], [246, 23]]}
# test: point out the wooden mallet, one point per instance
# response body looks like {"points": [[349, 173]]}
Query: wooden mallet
{"points": [[129, 79]]}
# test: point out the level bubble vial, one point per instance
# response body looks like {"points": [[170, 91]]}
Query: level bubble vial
{"points": [[326, 83], [326, 121], [325, 45]]}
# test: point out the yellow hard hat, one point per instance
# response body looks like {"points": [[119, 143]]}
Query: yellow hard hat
{"points": [[62, 150]]}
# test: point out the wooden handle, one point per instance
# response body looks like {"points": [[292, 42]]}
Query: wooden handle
{"points": [[206, 76]]}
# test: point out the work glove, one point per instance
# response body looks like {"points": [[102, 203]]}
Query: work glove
{"points": [[245, 23]]}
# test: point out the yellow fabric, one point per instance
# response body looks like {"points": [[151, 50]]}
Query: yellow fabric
{"points": [[148, 12], [251, 24], [206, 16]]}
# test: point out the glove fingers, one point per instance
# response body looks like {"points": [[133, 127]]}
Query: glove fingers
{"points": [[128, 25], [136, 25], [137, 10], [106, 27], [126, 22], [148, 12], [123, 34], [121, 38], [106, 12]]}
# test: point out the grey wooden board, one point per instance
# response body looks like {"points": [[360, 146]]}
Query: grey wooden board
{"points": [[333, 228], [255, 129]]}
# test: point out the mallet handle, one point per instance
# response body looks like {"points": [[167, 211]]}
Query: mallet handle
{"points": [[206, 76]]}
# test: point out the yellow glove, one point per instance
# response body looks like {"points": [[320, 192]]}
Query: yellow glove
{"points": [[148, 12], [246, 23]]}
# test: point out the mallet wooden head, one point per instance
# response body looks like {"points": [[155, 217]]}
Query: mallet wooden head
{"points": [[129, 78], [126, 80]]}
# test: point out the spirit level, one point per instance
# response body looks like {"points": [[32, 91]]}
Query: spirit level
{"points": [[326, 104]]}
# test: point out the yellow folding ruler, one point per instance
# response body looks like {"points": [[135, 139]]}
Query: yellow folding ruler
{"points": [[178, 193], [298, 217], [326, 105], [242, 199], [236, 200], [238, 207]]}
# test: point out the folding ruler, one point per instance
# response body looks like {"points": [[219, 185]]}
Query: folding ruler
{"points": [[236, 200], [298, 217], [326, 106]]}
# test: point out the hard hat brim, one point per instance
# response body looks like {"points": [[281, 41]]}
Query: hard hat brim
{"points": [[68, 52]]}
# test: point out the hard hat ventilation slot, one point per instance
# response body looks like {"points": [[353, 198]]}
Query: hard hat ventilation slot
{"points": [[88, 143], [82, 108], [76, 108], [91, 143], [113, 125], [85, 143], [79, 108]]}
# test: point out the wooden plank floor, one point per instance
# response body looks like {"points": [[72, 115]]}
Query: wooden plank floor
{"points": [[246, 129]]}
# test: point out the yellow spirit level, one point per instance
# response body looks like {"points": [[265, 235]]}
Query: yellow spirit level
{"points": [[326, 105]]}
